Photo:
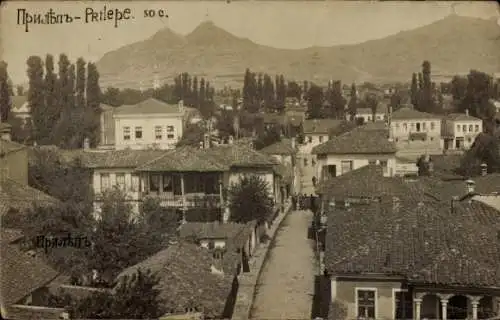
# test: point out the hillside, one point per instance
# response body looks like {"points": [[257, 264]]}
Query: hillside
{"points": [[453, 45]]}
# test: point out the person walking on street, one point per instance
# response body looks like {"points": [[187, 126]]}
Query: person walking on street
{"points": [[294, 202]]}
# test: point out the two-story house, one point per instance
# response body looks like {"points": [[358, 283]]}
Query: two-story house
{"points": [[416, 132], [285, 153], [185, 178], [148, 124], [355, 149], [368, 115], [460, 130]]}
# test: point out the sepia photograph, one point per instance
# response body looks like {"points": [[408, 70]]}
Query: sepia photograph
{"points": [[250, 160]]}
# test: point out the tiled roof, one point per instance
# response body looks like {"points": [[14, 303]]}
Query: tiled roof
{"points": [[320, 125], [186, 279], [283, 147], [358, 141], [368, 182], [210, 230], [426, 244], [23, 312], [21, 273], [21, 197], [117, 158], [220, 158], [461, 117], [411, 114], [149, 106], [490, 200], [7, 146]]}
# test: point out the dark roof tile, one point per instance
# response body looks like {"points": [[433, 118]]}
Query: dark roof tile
{"points": [[358, 141]]}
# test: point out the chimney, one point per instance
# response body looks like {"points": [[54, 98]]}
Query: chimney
{"points": [[452, 206], [484, 169], [469, 186], [293, 143], [86, 144], [181, 106], [467, 112], [5, 131], [226, 214]]}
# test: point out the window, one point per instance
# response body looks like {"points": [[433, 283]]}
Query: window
{"points": [[403, 304], [120, 181], [458, 127], [372, 162], [405, 127], [433, 125], [383, 163], [424, 127], [412, 126], [170, 136], [469, 140], [366, 302], [310, 139], [477, 128], [126, 133], [138, 132], [464, 128], [135, 183], [158, 132], [471, 128], [105, 184], [346, 166], [167, 183], [170, 128], [418, 127], [320, 139], [154, 183]]}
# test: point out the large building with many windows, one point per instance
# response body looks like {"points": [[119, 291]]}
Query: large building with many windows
{"points": [[151, 124]]}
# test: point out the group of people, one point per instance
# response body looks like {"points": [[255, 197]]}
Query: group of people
{"points": [[304, 202]]}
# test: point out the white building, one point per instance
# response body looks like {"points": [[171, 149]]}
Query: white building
{"points": [[353, 150], [148, 124], [367, 114], [460, 130]]}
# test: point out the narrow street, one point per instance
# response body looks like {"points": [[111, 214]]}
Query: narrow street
{"points": [[285, 288]]}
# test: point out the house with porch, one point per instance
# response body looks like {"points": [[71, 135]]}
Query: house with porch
{"points": [[460, 131], [353, 150], [400, 259], [415, 132], [187, 178]]}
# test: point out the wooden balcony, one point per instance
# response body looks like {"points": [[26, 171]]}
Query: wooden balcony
{"points": [[188, 201]]}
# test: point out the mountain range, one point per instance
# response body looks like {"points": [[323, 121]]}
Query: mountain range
{"points": [[453, 45]]}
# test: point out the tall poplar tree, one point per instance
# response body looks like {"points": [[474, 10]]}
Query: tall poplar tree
{"points": [[5, 102], [353, 102], [414, 91], [80, 84], [93, 109], [53, 111], [36, 99]]}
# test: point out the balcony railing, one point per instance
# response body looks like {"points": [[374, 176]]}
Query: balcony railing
{"points": [[188, 201]]}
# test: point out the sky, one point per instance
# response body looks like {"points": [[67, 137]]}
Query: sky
{"points": [[280, 24]]}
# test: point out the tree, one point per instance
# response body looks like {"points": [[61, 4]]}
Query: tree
{"points": [[293, 90], [353, 102], [249, 200], [135, 297], [268, 94], [268, 137], [485, 149], [314, 102], [426, 102], [396, 100], [414, 91], [36, 99], [93, 109], [52, 109], [159, 224], [5, 102], [372, 103]]}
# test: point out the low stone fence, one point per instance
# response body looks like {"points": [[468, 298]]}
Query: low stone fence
{"points": [[248, 281]]}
